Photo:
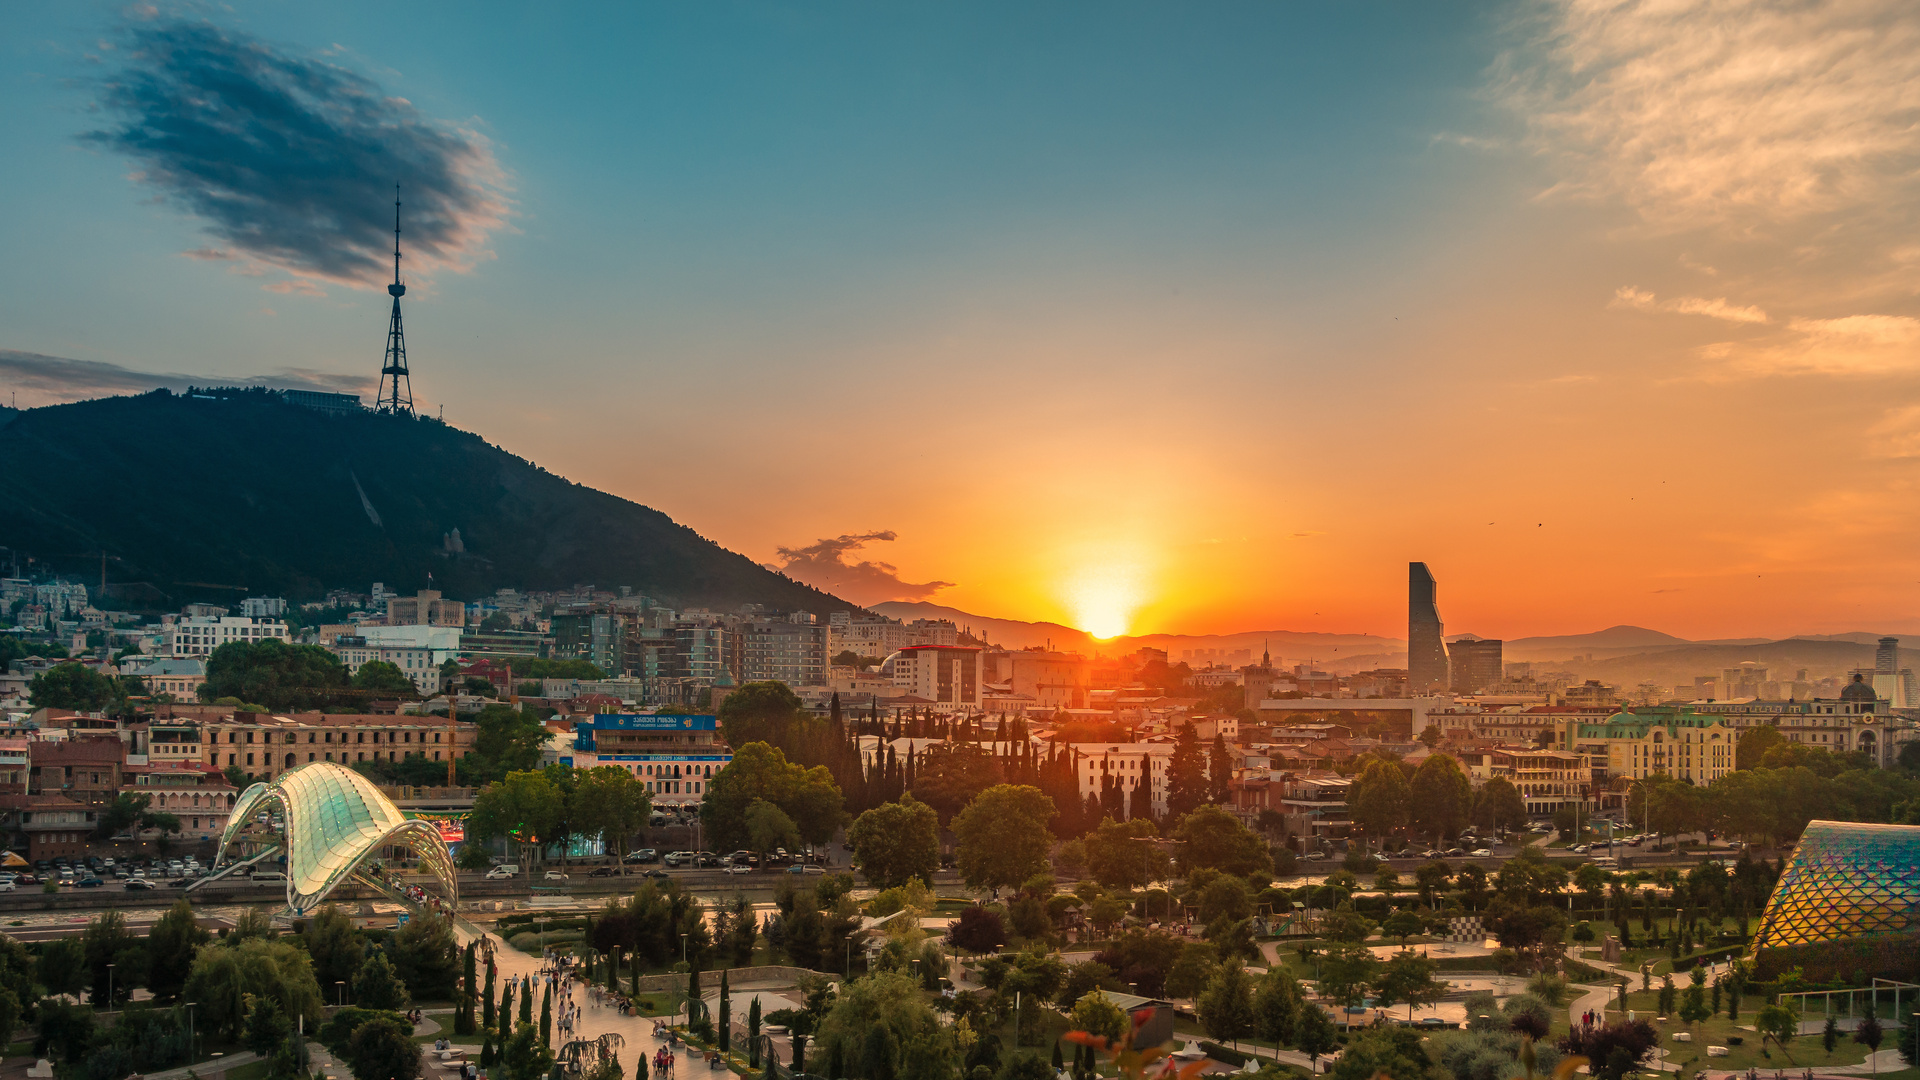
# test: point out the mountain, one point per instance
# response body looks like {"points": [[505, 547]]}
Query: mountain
{"points": [[1611, 641], [1334, 652], [1784, 660], [212, 498]]}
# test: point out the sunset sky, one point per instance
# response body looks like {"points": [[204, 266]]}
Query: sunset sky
{"points": [[1138, 317]]}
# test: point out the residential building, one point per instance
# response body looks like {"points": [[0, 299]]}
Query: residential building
{"points": [[263, 607], [1132, 767], [181, 678], [1315, 804], [197, 794], [1547, 779], [1473, 664], [1054, 680], [46, 825], [416, 663], [262, 746], [1857, 720], [184, 636], [947, 676], [792, 650], [85, 768], [1673, 741]]}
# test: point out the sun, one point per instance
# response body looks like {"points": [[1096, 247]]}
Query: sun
{"points": [[1104, 599]]}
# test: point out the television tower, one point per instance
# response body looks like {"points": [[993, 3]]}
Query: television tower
{"points": [[396, 386]]}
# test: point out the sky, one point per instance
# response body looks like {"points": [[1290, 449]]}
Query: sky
{"points": [[1137, 317]]}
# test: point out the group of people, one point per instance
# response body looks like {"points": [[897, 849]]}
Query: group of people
{"points": [[663, 1062]]}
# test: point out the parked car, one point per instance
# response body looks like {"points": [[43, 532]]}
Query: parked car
{"points": [[1581, 849], [138, 885], [6, 886], [644, 855], [681, 858]]}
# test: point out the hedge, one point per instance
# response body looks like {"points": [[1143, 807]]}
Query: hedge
{"points": [[1220, 1053]]}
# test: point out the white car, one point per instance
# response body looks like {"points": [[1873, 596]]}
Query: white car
{"points": [[555, 875], [7, 885], [500, 873], [1481, 853], [743, 868]]}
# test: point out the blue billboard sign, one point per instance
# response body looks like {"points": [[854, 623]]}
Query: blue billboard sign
{"points": [[653, 722]]}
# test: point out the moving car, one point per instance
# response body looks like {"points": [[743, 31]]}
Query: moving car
{"points": [[1482, 853], [555, 875], [137, 885], [739, 868], [91, 882], [681, 858], [644, 855], [605, 871], [656, 875], [799, 868], [502, 873], [268, 875]]}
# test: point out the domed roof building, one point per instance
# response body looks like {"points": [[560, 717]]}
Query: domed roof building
{"points": [[1847, 904], [1859, 690]]}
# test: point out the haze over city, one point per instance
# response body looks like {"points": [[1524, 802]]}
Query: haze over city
{"points": [[1131, 317]]}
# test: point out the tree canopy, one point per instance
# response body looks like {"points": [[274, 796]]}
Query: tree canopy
{"points": [[897, 842], [808, 797], [1003, 837], [1212, 838], [276, 674]]}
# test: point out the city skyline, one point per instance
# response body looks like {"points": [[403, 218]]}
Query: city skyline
{"points": [[1131, 320]]}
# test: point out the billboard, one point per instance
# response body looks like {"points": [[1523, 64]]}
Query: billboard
{"points": [[653, 722]]}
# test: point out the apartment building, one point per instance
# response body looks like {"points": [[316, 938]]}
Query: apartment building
{"points": [[674, 756], [947, 676], [184, 636], [1547, 779], [415, 662], [1134, 768], [262, 746]]}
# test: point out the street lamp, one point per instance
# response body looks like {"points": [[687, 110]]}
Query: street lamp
{"points": [[340, 992], [110, 986], [190, 1038]]}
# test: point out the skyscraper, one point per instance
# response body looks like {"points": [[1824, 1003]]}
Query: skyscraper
{"points": [[1473, 663], [1426, 653], [1886, 658]]}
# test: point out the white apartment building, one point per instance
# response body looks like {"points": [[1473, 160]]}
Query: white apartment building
{"points": [[199, 635], [416, 663], [1133, 767], [946, 676]]}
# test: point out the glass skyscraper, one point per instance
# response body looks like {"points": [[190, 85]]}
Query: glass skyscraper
{"points": [[1426, 653]]}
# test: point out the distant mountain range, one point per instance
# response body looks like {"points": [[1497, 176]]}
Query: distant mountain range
{"points": [[212, 500], [1626, 655]]}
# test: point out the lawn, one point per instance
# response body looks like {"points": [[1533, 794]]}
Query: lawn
{"points": [[1803, 1052]]}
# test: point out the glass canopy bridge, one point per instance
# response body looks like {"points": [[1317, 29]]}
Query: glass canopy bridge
{"points": [[330, 822]]}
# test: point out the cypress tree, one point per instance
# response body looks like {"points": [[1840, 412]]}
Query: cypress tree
{"points": [[486, 1011], [546, 1017], [486, 1049], [526, 1001], [506, 1012], [463, 1016], [726, 1015], [633, 969], [613, 969], [753, 1030]]}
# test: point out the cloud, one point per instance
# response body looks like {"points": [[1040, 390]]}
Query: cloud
{"points": [[1849, 345], [295, 285], [1722, 110], [1626, 296], [292, 162], [823, 565], [1897, 435], [50, 380]]}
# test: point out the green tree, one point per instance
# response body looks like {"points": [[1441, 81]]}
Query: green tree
{"points": [[1392, 1052], [884, 1000], [426, 957], [278, 675], [1187, 786], [116, 962], [769, 827], [224, 975], [1408, 977], [336, 946], [611, 803], [897, 842], [381, 677], [1226, 1006], [1212, 838], [377, 986], [1498, 805], [267, 1027], [1277, 1006], [505, 740], [1778, 1024], [1441, 797], [1122, 855], [809, 797], [1403, 924], [383, 1049], [1003, 837], [1096, 1014], [1754, 744], [1380, 797], [171, 945], [765, 712], [1347, 969], [76, 687], [1314, 1034], [525, 807]]}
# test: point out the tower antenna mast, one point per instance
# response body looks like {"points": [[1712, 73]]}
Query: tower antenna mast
{"points": [[396, 386]]}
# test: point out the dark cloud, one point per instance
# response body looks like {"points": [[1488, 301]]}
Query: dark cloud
{"points": [[823, 564], [50, 380], [292, 161]]}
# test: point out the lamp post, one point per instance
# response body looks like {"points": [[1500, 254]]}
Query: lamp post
{"points": [[110, 986], [190, 1039], [340, 992]]}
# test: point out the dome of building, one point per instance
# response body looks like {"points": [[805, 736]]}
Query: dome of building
{"points": [[1847, 903], [1859, 690]]}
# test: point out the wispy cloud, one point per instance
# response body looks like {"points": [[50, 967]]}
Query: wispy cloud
{"points": [[1897, 435], [823, 564], [1857, 345], [291, 161], [50, 380], [1719, 110], [1627, 296]]}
